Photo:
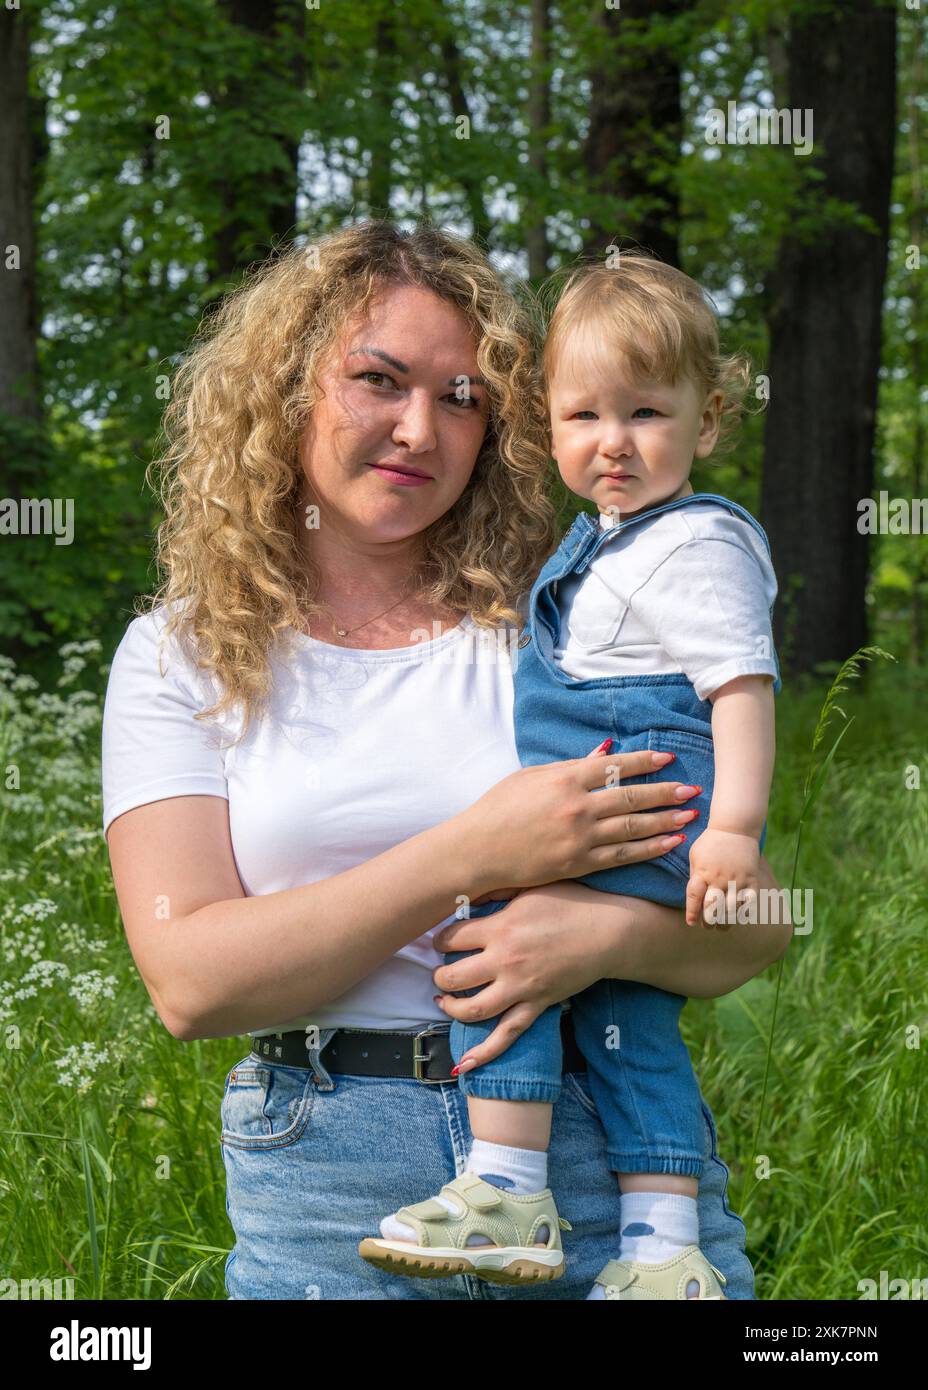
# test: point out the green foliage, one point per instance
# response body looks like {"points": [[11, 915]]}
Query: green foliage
{"points": [[108, 1136], [135, 230]]}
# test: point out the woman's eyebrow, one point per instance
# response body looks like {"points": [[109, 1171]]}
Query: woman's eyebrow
{"points": [[402, 367], [384, 357]]}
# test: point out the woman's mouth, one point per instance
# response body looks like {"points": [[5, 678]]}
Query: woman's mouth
{"points": [[412, 478]]}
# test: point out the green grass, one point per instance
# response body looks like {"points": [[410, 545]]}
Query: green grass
{"points": [[115, 1176]]}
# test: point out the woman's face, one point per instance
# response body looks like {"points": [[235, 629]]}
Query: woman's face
{"points": [[401, 389]]}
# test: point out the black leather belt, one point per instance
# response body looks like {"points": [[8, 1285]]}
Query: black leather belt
{"points": [[425, 1055]]}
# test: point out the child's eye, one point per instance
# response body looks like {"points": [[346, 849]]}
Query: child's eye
{"points": [[578, 413], [648, 409]]}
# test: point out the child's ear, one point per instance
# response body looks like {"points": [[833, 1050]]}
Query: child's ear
{"points": [[710, 424]]}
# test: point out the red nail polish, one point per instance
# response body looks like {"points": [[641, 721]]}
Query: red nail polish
{"points": [[604, 746], [455, 1070], [699, 789]]}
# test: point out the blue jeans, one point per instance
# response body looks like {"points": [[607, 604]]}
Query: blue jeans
{"points": [[314, 1162]]}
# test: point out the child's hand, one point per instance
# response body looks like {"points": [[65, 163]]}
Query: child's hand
{"points": [[718, 858]]}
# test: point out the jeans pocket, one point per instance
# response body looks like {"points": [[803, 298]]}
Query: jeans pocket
{"points": [[694, 765], [265, 1106]]}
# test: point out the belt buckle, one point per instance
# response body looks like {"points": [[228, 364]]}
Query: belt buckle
{"points": [[418, 1058]]}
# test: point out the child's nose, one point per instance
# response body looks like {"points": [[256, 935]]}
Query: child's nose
{"points": [[617, 442]]}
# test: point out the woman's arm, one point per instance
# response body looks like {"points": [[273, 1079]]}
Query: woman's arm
{"points": [[556, 940], [217, 962], [652, 944]]}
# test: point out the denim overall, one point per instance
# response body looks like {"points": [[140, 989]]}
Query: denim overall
{"points": [[640, 1074]]}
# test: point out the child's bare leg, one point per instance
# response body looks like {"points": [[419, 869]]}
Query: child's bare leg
{"points": [[658, 1182], [520, 1124]]}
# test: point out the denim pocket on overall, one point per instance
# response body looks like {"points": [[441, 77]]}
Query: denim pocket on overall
{"points": [[265, 1107], [694, 765]]}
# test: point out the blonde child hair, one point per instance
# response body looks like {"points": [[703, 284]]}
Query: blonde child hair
{"points": [[657, 317]]}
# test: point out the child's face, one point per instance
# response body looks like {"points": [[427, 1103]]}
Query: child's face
{"points": [[648, 433]]}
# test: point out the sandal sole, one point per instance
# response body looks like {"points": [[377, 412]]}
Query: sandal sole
{"points": [[419, 1263]]}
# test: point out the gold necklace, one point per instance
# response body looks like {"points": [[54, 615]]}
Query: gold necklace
{"points": [[346, 631]]}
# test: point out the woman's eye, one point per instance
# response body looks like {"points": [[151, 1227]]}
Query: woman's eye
{"points": [[469, 402]]}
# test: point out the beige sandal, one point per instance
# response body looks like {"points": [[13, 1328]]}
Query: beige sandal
{"points": [[633, 1280], [511, 1221]]}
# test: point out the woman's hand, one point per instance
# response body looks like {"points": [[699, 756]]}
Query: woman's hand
{"points": [[542, 824], [545, 946]]}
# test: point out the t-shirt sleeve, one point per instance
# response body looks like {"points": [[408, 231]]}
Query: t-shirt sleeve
{"points": [[708, 604], [153, 747]]}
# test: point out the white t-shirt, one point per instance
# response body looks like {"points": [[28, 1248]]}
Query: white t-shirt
{"points": [[687, 591], [359, 751]]}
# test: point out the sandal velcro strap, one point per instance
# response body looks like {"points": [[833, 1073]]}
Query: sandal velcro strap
{"points": [[468, 1189], [429, 1210], [476, 1192], [619, 1276], [669, 1279]]}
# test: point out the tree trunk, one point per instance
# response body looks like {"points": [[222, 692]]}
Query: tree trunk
{"points": [[380, 169], [261, 205], [539, 117], [460, 106], [635, 131], [825, 305], [916, 229], [19, 384]]}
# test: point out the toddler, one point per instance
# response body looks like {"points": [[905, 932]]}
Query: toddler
{"points": [[652, 623]]}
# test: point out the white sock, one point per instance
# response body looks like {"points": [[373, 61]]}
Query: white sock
{"points": [[514, 1170], [655, 1226]]}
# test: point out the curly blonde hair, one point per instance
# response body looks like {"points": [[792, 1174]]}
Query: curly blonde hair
{"points": [[237, 579], [655, 315]]}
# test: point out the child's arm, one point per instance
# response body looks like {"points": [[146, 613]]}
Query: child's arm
{"points": [[743, 732]]}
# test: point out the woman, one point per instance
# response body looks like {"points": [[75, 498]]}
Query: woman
{"points": [[354, 783]]}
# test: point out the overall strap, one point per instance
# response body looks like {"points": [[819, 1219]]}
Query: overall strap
{"points": [[623, 526]]}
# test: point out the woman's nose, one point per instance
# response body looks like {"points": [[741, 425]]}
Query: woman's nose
{"points": [[416, 423]]}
